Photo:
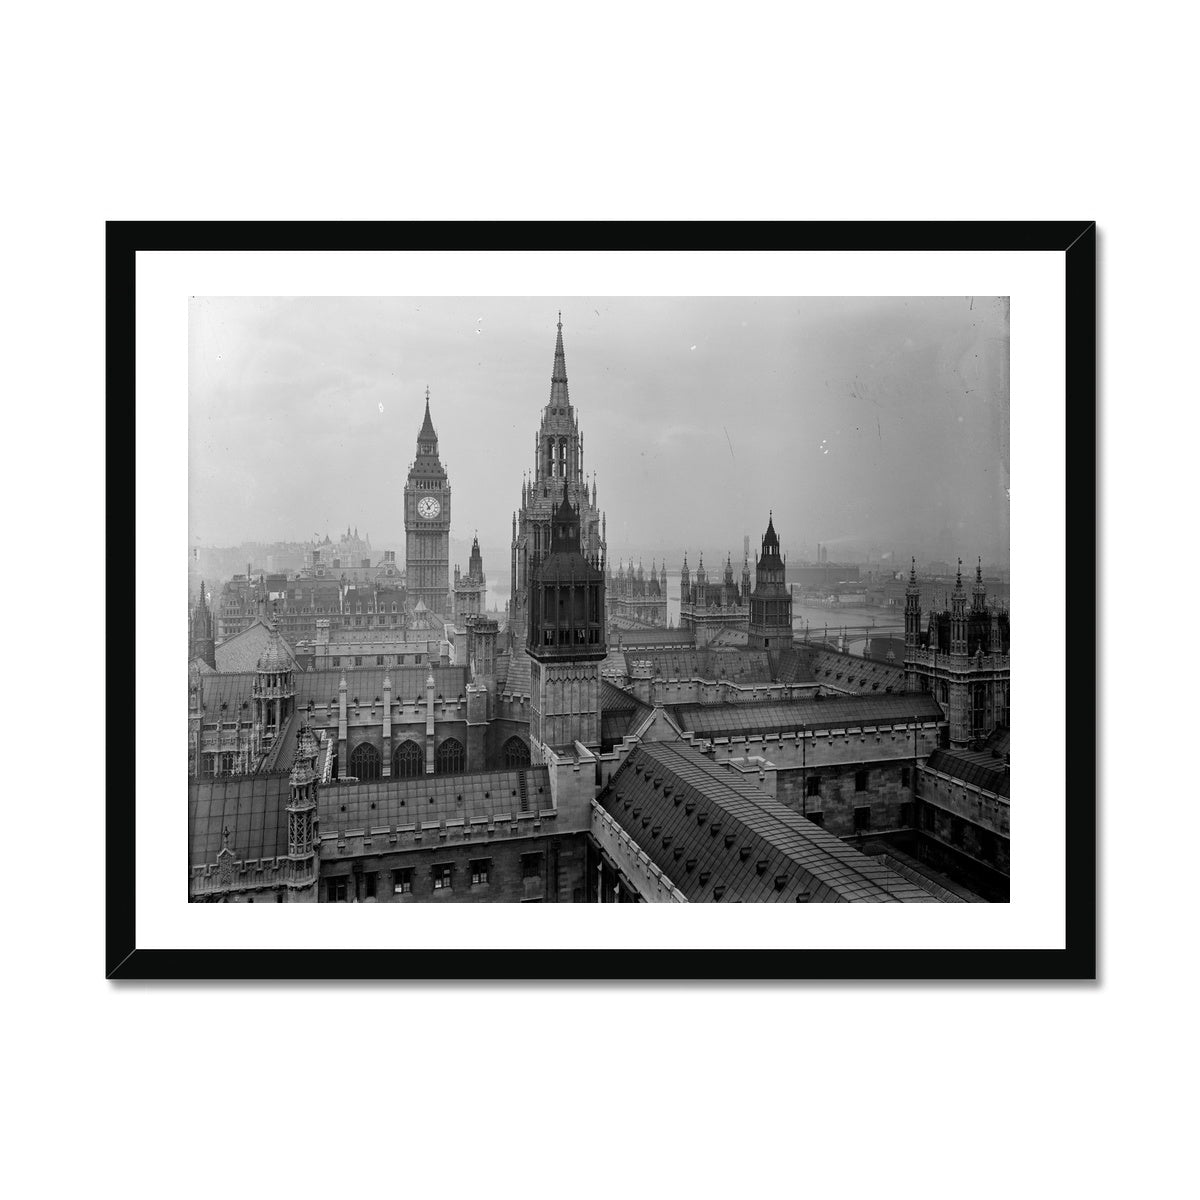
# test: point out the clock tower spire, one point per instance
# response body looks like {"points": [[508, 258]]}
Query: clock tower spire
{"points": [[427, 524]]}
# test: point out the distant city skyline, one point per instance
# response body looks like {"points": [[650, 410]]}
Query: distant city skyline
{"points": [[867, 425]]}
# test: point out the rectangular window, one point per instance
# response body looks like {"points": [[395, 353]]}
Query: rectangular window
{"points": [[443, 875], [531, 866], [379, 660], [358, 660], [862, 819], [816, 816], [905, 777], [480, 867], [335, 890], [812, 786], [369, 880], [860, 781], [402, 882], [906, 815], [929, 820]]}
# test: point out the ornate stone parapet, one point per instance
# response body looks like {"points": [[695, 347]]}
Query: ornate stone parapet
{"points": [[632, 861], [210, 881]]}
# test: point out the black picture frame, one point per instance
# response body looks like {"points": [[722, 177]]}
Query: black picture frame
{"points": [[1076, 240]]}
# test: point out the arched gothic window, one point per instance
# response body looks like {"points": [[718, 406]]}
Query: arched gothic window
{"points": [[450, 758], [516, 753], [364, 761], [408, 761]]}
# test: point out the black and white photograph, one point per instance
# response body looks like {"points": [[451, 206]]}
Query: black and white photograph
{"points": [[598, 600]]}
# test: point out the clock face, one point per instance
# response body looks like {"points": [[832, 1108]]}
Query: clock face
{"points": [[428, 507]]}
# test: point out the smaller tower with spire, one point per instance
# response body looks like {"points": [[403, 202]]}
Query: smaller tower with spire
{"points": [[770, 625], [301, 876], [958, 615], [203, 643]]}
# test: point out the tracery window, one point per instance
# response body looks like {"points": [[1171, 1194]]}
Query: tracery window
{"points": [[364, 761], [516, 753], [450, 758], [408, 761]]}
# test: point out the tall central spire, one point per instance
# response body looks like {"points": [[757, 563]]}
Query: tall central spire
{"points": [[427, 438], [558, 381]]}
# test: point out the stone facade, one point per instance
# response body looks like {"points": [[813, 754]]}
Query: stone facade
{"points": [[635, 601], [707, 608]]}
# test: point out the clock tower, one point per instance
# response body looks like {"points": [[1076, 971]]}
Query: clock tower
{"points": [[427, 524]]}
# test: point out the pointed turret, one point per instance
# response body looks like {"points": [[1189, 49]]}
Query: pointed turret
{"points": [[564, 531], [771, 602], [427, 438], [978, 592], [912, 611], [558, 380], [770, 542], [203, 644], [958, 615]]}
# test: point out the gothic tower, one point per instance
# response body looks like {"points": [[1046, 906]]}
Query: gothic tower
{"points": [[427, 524], [469, 589], [979, 592], [912, 624], [565, 638], [558, 463], [958, 615], [302, 818], [203, 644], [771, 602], [274, 690]]}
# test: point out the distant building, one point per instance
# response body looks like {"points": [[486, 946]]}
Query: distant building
{"points": [[771, 601], [708, 608], [961, 656], [470, 590], [635, 601]]}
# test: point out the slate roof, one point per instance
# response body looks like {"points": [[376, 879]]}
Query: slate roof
{"points": [[254, 807], [852, 674], [431, 799], [730, 637], [231, 689], [242, 651], [751, 665], [517, 680], [998, 741], [785, 716], [634, 637], [619, 712], [978, 767], [718, 837], [615, 663], [792, 664]]}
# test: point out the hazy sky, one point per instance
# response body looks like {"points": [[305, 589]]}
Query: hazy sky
{"points": [[863, 422]]}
